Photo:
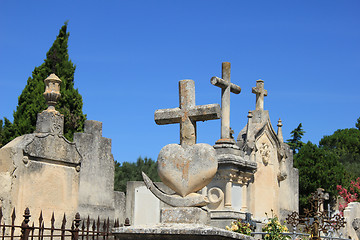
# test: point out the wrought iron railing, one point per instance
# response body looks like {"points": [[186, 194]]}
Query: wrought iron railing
{"points": [[79, 230]]}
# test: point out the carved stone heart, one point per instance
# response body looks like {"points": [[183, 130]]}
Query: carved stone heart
{"points": [[187, 169]]}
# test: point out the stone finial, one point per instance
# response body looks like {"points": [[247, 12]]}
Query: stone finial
{"points": [[260, 94], [250, 140], [50, 120], [250, 115], [279, 131], [226, 87], [52, 91]]}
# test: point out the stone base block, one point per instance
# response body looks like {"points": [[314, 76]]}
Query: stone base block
{"points": [[193, 215], [175, 231], [223, 218]]}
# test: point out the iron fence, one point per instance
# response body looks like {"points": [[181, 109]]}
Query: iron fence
{"points": [[79, 230]]}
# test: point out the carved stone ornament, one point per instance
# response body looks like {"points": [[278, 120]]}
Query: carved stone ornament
{"points": [[52, 91], [234, 176], [265, 153]]}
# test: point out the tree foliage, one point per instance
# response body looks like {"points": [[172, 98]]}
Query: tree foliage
{"points": [[318, 168], [345, 144], [31, 101], [295, 142], [132, 172]]}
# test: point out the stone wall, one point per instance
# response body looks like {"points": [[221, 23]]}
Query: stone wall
{"points": [[44, 171], [40, 171], [96, 190], [352, 215]]}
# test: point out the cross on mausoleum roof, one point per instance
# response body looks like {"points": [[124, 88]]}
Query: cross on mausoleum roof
{"points": [[188, 113], [260, 94]]}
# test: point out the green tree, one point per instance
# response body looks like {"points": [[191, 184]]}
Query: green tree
{"points": [[318, 168], [132, 172], [345, 144], [295, 142], [31, 101], [7, 132], [358, 123]]}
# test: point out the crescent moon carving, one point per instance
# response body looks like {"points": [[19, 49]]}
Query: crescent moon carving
{"points": [[191, 200]]}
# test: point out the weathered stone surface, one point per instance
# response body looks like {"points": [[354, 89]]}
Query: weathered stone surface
{"points": [[50, 122], [175, 200], [356, 225], [260, 94], [185, 215], [275, 177], [226, 87], [352, 226], [176, 232], [223, 218], [96, 191], [187, 169], [52, 91], [188, 113], [41, 171], [39, 181], [53, 148]]}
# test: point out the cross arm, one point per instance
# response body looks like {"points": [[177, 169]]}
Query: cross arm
{"points": [[224, 84], [167, 116], [205, 112]]}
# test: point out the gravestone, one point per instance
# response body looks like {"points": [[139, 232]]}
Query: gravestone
{"points": [[186, 169], [96, 188], [41, 170], [45, 172], [229, 187], [255, 172], [275, 182]]}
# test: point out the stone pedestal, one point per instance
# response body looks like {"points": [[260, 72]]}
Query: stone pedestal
{"points": [[185, 215], [50, 122], [223, 218]]}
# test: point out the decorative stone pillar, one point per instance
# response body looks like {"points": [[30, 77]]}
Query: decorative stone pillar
{"points": [[228, 194], [279, 131], [244, 207]]}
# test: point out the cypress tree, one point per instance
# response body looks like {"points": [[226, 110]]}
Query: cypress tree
{"points": [[295, 142], [31, 101]]}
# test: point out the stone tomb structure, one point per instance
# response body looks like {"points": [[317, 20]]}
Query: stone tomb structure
{"points": [[44, 171], [255, 171], [186, 168]]}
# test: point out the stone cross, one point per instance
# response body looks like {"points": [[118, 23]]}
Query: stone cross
{"points": [[226, 87], [188, 113], [260, 94]]}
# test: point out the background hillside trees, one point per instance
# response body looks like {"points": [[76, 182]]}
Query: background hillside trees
{"points": [[336, 161], [132, 172], [345, 145]]}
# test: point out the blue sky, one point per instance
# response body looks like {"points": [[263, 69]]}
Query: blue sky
{"points": [[130, 56]]}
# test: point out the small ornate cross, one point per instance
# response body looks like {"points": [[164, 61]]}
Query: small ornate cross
{"points": [[188, 113], [260, 94]]}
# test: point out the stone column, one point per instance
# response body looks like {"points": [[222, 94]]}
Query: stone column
{"points": [[279, 131], [244, 198], [228, 194]]}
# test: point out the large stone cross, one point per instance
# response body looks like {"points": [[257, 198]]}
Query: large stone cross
{"points": [[188, 113], [226, 87], [260, 94]]}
